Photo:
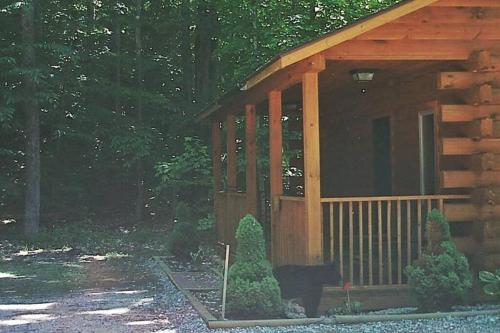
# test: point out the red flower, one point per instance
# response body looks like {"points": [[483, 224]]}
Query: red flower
{"points": [[347, 286]]}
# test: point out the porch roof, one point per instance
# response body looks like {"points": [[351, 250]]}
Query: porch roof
{"points": [[301, 52]]}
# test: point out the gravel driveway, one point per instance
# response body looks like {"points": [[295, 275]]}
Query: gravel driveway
{"points": [[114, 299]]}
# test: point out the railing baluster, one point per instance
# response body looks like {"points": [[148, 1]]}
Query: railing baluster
{"points": [[361, 270], [351, 243], [332, 248], [380, 265], [379, 208], [389, 241], [419, 228], [341, 237], [370, 258], [408, 232], [399, 240]]}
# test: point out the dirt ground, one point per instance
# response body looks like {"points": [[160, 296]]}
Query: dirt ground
{"points": [[109, 298]]}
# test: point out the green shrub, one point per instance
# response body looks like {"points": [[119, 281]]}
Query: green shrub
{"points": [[442, 279], [206, 228], [252, 290], [183, 240], [491, 282]]}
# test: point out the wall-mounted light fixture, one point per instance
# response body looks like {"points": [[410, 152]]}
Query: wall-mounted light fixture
{"points": [[362, 75]]}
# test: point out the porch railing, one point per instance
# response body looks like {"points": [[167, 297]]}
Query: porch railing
{"points": [[374, 238]]}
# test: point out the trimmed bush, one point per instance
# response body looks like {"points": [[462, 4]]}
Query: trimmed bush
{"points": [[252, 290], [441, 278], [183, 240]]}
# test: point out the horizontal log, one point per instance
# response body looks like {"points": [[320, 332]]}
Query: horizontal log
{"points": [[485, 162], [405, 50], [465, 113], [491, 229], [489, 195], [466, 244], [419, 31], [449, 15], [466, 80], [483, 61], [490, 245], [466, 3], [487, 213], [481, 128], [469, 179], [483, 95], [466, 146], [459, 212]]}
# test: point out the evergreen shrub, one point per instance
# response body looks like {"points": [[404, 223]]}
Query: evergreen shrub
{"points": [[441, 278], [252, 290]]}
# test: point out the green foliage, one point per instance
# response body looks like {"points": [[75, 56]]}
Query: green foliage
{"points": [[439, 281], [191, 167], [491, 282], [94, 238], [352, 308], [183, 240], [197, 257], [252, 290], [206, 228], [436, 216]]}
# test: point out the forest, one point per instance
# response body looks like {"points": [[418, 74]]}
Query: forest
{"points": [[98, 99]]}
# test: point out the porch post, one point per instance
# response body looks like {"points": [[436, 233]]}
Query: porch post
{"points": [[314, 226], [275, 172], [231, 152], [251, 156]]}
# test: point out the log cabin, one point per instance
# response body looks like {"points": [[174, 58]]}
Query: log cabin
{"points": [[396, 115]]}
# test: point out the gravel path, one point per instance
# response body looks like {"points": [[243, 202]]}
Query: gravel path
{"points": [[117, 300], [187, 320]]}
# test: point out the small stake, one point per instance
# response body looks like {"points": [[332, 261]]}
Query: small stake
{"points": [[224, 287]]}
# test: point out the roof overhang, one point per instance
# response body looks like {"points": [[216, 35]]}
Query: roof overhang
{"points": [[321, 44]]}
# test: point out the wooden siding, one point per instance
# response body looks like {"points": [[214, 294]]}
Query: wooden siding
{"points": [[346, 134], [230, 208], [289, 241]]}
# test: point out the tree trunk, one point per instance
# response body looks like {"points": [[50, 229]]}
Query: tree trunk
{"points": [[118, 63], [187, 54], [32, 131], [139, 206], [204, 49]]}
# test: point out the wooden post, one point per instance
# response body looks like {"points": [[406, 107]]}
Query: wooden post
{"points": [[251, 163], [231, 152], [314, 229], [275, 158]]}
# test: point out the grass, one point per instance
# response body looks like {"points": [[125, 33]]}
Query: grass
{"points": [[26, 278], [52, 263]]}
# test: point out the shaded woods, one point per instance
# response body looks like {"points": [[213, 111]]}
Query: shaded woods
{"points": [[97, 98]]}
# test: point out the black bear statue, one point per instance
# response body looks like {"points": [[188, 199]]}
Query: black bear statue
{"points": [[306, 282]]}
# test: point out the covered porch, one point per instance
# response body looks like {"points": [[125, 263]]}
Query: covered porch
{"points": [[375, 157]]}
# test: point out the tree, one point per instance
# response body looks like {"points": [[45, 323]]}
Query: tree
{"points": [[32, 111]]}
